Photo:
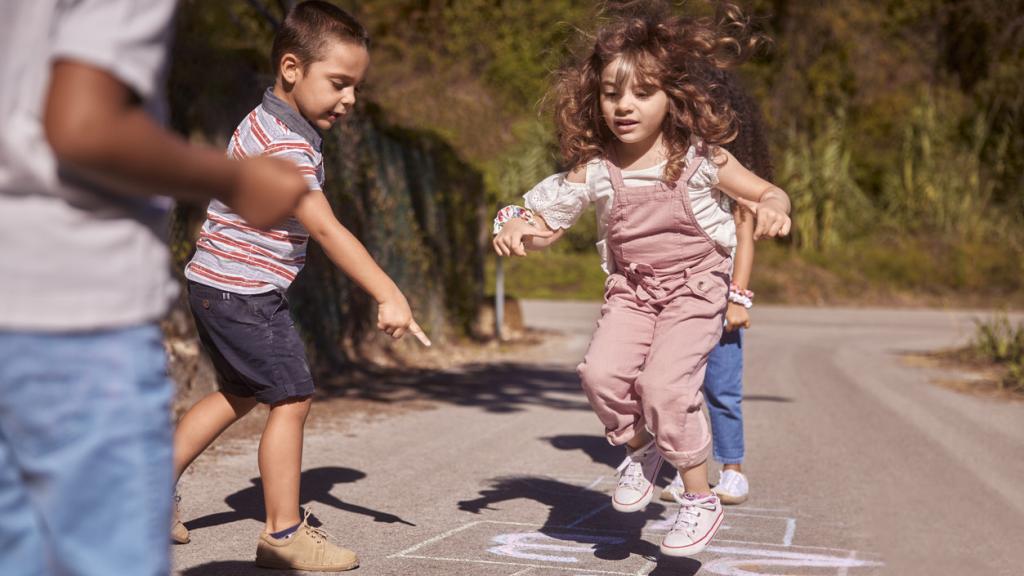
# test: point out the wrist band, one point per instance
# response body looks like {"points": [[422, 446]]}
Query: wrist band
{"points": [[742, 297], [510, 213]]}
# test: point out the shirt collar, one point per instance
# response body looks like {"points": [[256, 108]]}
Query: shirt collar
{"points": [[291, 118]]}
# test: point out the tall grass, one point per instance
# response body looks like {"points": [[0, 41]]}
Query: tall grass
{"points": [[828, 204], [998, 340]]}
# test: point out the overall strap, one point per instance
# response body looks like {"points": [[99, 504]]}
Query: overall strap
{"points": [[615, 174]]}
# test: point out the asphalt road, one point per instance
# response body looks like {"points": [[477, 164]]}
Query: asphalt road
{"points": [[858, 465]]}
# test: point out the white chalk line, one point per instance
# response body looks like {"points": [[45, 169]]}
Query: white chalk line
{"points": [[787, 540], [497, 563], [437, 538]]}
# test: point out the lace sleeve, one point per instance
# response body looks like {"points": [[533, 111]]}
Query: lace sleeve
{"points": [[558, 201], [707, 174]]}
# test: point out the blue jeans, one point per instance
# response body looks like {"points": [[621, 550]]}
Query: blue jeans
{"points": [[723, 388], [85, 453]]}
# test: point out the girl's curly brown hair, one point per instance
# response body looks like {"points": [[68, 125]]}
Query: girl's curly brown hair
{"points": [[682, 55]]}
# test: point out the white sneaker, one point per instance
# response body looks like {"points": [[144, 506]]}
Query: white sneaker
{"points": [[636, 478], [695, 525], [668, 493], [732, 487]]}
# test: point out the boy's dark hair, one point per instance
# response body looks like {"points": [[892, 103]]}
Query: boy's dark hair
{"points": [[309, 26]]}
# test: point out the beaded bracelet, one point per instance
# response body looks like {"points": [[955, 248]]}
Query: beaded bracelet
{"points": [[740, 296], [510, 213]]}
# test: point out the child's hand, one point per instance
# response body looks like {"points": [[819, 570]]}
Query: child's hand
{"points": [[736, 317], [394, 317], [771, 220], [511, 239], [267, 191]]}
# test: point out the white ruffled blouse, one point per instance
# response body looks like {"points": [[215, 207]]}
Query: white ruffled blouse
{"points": [[561, 202]]}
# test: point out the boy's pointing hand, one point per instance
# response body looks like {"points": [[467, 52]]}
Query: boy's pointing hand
{"points": [[394, 317]]}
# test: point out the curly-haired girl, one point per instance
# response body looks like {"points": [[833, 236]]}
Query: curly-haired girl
{"points": [[641, 121]]}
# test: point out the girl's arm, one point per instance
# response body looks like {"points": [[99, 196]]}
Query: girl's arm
{"points": [[518, 235], [736, 315], [769, 203], [346, 251]]}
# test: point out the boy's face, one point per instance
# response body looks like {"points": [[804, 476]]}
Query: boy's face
{"points": [[326, 90]]}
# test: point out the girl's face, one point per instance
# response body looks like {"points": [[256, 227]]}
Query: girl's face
{"points": [[633, 110]]}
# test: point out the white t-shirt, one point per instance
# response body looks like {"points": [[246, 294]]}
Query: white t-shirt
{"points": [[72, 256], [561, 202]]}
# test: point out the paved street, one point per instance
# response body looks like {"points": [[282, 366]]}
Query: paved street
{"points": [[858, 466]]}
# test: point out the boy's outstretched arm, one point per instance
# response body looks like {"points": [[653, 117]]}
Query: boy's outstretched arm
{"points": [[98, 129], [346, 251]]}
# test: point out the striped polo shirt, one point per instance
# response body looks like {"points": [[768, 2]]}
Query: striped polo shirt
{"points": [[232, 255]]}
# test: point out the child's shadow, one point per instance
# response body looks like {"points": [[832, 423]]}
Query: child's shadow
{"points": [[601, 452], [570, 507], [247, 504]]}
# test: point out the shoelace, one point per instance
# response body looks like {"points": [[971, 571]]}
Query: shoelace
{"points": [[631, 471], [319, 535], [631, 474], [689, 511]]}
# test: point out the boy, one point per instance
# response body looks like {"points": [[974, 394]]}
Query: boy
{"points": [[85, 438], [238, 277]]}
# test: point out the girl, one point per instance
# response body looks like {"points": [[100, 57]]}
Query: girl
{"points": [[640, 127], [723, 380]]}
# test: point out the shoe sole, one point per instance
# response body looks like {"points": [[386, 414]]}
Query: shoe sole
{"points": [[307, 567], [692, 549], [642, 502], [731, 500]]}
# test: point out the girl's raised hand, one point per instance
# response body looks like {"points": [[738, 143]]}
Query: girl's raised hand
{"points": [[512, 237], [771, 221]]}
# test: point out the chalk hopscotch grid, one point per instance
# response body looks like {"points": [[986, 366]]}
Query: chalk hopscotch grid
{"points": [[787, 552], [783, 552]]}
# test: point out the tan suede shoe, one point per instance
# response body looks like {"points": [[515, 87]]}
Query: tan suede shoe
{"points": [[306, 549]]}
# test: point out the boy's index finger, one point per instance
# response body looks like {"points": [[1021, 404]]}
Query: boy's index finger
{"points": [[419, 334]]}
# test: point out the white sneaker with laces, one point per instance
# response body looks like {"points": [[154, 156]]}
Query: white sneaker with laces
{"points": [[732, 487], [696, 523], [668, 493], [636, 478]]}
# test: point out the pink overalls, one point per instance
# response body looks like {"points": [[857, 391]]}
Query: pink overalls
{"points": [[662, 315]]}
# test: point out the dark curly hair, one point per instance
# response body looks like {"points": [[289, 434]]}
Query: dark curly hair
{"points": [[681, 55]]}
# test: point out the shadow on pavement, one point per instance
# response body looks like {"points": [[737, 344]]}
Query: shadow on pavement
{"points": [[766, 398], [570, 507], [601, 452], [499, 387], [234, 568], [247, 504]]}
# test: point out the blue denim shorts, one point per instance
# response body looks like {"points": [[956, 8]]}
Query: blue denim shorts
{"points": [[252, 342], [85, 453]]}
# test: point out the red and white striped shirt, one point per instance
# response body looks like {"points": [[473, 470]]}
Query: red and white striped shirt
{"points": [[232, 255]]}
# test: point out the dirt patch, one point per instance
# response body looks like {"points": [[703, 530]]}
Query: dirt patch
{"points": [[967, 374]]}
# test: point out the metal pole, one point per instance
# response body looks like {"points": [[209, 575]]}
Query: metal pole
{"points": [[499, 299]]}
